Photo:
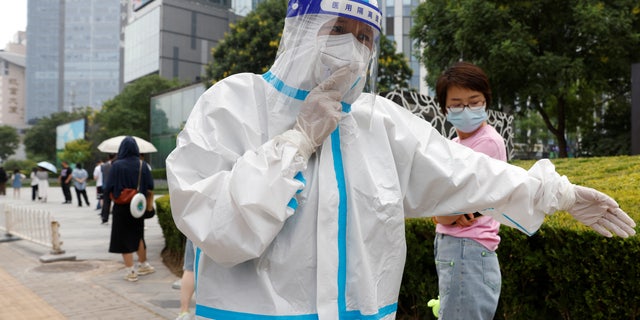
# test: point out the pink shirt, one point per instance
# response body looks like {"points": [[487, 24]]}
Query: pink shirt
{"points": [[485, 230]]}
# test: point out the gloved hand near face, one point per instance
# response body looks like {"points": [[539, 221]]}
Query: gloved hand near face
{"points": [[320, 112], [600, 212]]}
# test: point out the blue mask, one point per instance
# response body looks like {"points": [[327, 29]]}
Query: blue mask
{"points": [[468, 120]]}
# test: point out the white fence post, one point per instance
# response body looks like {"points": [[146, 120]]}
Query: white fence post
{"points": [[55, 238]]}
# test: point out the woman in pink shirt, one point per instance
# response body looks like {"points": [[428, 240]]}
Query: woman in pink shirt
{"points": [[469, 276]]}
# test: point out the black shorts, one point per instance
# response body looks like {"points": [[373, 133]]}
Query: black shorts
{"points": [[99, 193]]}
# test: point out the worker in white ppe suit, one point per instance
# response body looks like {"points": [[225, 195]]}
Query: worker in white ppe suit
{"points": [[294, 184]]}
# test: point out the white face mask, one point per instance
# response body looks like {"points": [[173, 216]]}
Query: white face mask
{"points": [[337, 51], [468, 120]]}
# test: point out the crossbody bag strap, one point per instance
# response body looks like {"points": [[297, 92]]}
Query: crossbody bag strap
{"points": [[139, 176]]}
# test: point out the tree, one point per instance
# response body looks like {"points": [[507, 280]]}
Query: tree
{"points": [[529, 133], [9, 141], [611, 136], [252, 44], [128, 112], [40, 139], [76, 151], [393, 68], [559, 58]]}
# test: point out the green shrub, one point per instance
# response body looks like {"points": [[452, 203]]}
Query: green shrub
{"points": [[618, 177], [421, 284], [592, 277], [564, 271], [558, 273], [174, 240], [160, 174], [24, 166]]}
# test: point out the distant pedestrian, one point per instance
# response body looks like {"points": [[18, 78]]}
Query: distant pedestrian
{"points": [[79, 176], [16, 182], [65, 181], [43, 184], [127, 232], [106, 201], [3, 182], [34, 184], [97, 176]]}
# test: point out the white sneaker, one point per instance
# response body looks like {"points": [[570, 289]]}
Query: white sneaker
{"points": [[145, 268], [185, 316], [131, 275]]}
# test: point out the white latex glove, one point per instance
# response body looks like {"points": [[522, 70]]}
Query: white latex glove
{"points": [[320, 111], [600, 212]]}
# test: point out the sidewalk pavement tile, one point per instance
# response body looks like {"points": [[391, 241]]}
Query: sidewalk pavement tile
{"points": [[92, 285]]}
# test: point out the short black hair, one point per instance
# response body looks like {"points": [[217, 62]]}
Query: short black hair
{"points": [[465, 75]]}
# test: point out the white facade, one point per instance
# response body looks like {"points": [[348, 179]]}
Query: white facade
{"points": [[142, 46], [12, 85]]}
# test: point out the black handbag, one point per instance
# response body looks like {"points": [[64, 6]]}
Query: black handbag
{"points": [[149, 214]]}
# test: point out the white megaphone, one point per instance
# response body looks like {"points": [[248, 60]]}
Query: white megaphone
{"points": [[138, 205]]}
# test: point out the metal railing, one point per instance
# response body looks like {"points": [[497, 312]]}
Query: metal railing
{"points": [[35, 225], [426, 107]]}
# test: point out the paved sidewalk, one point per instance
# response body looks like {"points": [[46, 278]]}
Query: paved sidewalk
{"points": [[89, 287]]}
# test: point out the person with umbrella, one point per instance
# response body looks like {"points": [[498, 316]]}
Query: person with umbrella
{"points": [[34, 183], [112, 145], [127, 232], [43, 183]]}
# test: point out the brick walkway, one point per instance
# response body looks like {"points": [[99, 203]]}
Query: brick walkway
{"points": [[19, 302], [87, 287]]}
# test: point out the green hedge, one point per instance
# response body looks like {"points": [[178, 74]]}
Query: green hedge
{"points": [[564, 271], [555, 274], [159, 173], [174, 240]]}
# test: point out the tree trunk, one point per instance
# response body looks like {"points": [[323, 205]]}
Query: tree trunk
{"points": [[560, 130]]}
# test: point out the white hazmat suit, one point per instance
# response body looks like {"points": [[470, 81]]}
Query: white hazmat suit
{"points": [[288, 230]]}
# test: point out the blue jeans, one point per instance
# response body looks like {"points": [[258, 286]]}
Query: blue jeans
{"points": [[469, 279], [189, 256]]}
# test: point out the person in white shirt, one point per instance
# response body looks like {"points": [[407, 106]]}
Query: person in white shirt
{"points": [[97, 177], [34, 184]]}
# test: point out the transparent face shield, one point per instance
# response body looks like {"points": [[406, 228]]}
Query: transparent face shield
{"points": [[321, 37]]}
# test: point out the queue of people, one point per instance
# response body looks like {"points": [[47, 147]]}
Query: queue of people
{"points": [[113, 177], [38, 180], [17, 180]]}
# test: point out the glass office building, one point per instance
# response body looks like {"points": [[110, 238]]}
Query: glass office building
{"points": [[397, 26], [73, 54], [169, 113], [173, 38]]}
